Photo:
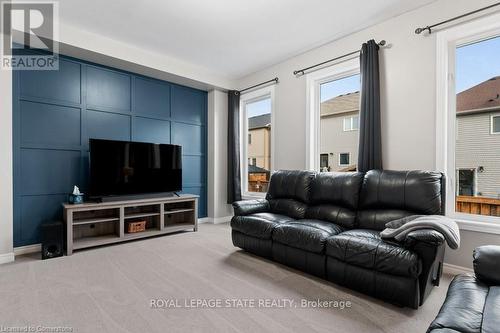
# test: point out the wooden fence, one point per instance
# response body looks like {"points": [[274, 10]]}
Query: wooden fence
{"points": [[478, 205], [258, 181]]}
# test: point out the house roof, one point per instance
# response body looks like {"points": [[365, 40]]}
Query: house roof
{"points": [[261, 121], [255, 169], [481, 97], [340, 104]]}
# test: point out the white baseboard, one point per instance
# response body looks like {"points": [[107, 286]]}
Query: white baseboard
{"points": [[215, 220], [455, 270], [6, 258], [224, 219], [34, 248], [205, 220]]}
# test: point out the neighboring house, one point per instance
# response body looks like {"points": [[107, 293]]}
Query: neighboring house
{"points": [[259, 152], [339, 133], [259, 141], [478, 140]]}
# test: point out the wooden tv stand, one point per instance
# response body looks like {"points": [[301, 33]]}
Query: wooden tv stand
{"points": [[94, 224]]}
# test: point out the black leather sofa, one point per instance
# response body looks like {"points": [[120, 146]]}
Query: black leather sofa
{"points": [[328, 224], [472, 304]]}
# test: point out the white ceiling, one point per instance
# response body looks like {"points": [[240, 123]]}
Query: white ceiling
{"points": [[231, 37]]}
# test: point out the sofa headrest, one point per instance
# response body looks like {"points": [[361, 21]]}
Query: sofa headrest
{"points": [[286, 184], [415, 191], [336, 188], [487, 264]]}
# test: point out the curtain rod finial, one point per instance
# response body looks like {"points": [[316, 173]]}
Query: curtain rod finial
{"points": [[382, 42], [418, 31]]}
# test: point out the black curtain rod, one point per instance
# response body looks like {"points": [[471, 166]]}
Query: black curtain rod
{"points": [[428, 28], [275, 80], [300, 72]]}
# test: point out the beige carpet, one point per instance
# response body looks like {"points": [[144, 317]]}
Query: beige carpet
{"points": [[109, 289]]}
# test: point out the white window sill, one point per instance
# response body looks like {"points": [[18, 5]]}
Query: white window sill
{"points": [[253, 196], [478, 226]]}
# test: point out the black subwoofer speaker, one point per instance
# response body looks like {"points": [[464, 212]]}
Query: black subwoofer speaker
{"points": [[52, 240]]}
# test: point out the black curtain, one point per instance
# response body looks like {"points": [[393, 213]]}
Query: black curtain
{"points": [[233, 148], [370, 140]]}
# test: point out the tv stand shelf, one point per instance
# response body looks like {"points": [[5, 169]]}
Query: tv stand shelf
{"points": [[95, 224]]}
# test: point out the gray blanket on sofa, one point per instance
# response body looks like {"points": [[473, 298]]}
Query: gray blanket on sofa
{"points": [[399, 229]]}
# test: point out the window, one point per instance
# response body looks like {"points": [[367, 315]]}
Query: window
{"points": [[468, 121], [466, 182], [495, 124], [477, 94], [351, 123], [333, 116], [323, 163], [344, 159], [256, 127]]}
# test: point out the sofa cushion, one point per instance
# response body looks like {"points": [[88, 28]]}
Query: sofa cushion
{"points": [[463, 307], [336, 188], [418, 191], [387, 195], [286, 184], [491, 314], [248, 207], [486, 260], [309, 235], [365, 248], [258, 225], [288, 207], [332, 213], [376, 219]]}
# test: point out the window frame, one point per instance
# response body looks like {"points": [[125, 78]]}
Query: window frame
{"points": [[351, 123], [447, 42], [349, 157], [492, 132], [314, 81], [247, 98], [474, 180], [323, 155]]}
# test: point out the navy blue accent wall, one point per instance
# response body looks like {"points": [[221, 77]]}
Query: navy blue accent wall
{"points": [[56, 112]]}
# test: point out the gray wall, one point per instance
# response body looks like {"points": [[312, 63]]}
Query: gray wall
{"points": [[408, 101], [469, 240], [218, 210], [6, 182]]}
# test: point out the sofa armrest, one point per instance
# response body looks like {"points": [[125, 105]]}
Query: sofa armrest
{"points": [[428, 236], [487, 264], [247, 207]]}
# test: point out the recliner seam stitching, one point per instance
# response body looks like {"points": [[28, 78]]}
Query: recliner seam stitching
{"points": [[344, 259], [374, 269], [314, 227], [484, 306], [404, 190]]}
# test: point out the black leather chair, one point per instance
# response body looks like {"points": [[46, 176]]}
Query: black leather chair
{"points": [[472, 303], [328, 224]]}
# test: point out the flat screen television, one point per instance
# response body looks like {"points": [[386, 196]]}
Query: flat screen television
{"points": [[127, 168]]}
